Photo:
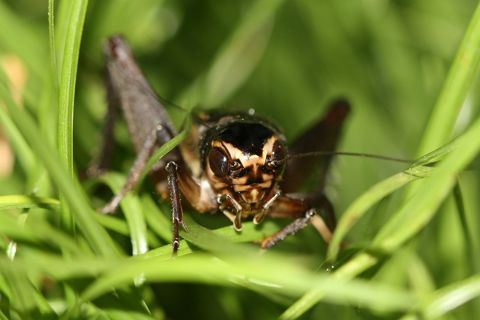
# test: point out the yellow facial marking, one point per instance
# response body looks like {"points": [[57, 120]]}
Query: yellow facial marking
{"points": [[247, 160]]}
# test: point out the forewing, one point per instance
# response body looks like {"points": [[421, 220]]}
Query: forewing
{"points": [[322, 136]]}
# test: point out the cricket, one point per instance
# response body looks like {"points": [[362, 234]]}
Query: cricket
{"points": [[237, 164], [239, 159]]}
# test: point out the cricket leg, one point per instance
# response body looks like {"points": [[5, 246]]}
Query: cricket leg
{"points": [[150, 144], [326, 211], [177, 209], [290, 207], [290, 229], [180, 183]]}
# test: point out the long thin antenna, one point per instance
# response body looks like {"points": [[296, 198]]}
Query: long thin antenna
{"points": [[346, 153]]}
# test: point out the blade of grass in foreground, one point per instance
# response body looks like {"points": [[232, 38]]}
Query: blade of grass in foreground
{"points": [[36, 230], [25, 202], [455, 89], [71, 50], [68, 80], [461, 72], [38, 261], [51, 38], [409, 219], [30, 202], [156, 220], [360, 206], [206, 269], [133, 213], [21, 290], [470, 251], [430, 194], [97, 237], [451, 297]]}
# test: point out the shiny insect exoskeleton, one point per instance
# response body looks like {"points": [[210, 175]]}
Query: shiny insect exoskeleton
{"points": [[236, 164], [243, 159]]}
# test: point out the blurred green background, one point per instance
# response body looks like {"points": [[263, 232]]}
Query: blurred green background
{"points": [[287, 60]]}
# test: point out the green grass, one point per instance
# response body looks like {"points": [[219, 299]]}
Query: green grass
{"points": [[407, 243]]}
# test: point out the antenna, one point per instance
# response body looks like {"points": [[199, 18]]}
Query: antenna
{"points": [[346, 153]]}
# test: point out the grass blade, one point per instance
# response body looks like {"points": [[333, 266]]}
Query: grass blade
{"points": [[406, 222], [76, 198], [133, 212], [26, 202], [451, 297], [68, 77], [455, 89], [364, 202], [430, 193], [254, 270]]}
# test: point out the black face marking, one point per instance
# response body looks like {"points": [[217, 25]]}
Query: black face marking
{"points": [[248, 137], [253, 180]]}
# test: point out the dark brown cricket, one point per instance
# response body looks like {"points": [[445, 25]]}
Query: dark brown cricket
{"points": [[236, 164]]}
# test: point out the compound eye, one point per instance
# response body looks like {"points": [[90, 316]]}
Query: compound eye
{"points": [[218, 161], [277, 159], [279, 152]]}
